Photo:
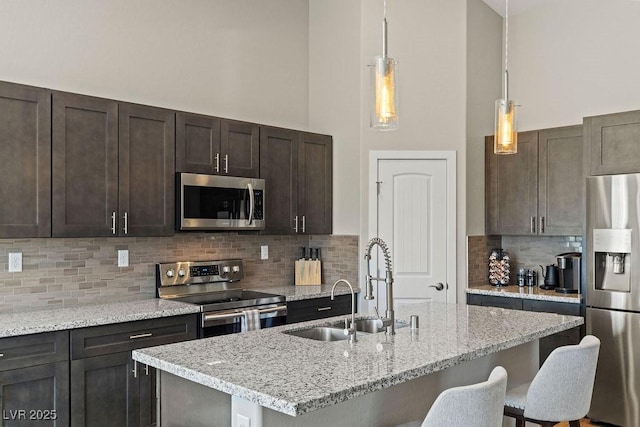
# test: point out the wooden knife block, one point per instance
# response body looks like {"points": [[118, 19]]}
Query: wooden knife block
{"points": [[308, 272]]}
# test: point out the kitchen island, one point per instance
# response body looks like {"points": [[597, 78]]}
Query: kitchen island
{"points": [[275, 379]]}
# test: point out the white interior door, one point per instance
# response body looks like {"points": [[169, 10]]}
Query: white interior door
{"points": [[413, 220]]}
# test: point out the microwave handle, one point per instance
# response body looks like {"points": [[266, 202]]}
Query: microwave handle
{"points": [[251, 202]]}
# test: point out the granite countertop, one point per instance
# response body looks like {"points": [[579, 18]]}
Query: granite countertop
{"points": [[297, 293], [295, 375], [526, 292], [58, 319]]}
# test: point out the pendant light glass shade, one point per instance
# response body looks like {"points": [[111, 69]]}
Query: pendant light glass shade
{"points": [[384, 114], [505, 140]]}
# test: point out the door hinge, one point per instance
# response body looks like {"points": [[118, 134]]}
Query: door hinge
{"points": [[378, 186]]}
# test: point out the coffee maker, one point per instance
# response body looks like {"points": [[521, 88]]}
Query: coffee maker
{"points": [[569, 272]]}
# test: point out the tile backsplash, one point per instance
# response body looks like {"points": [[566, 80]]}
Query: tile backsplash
{"points": [[524, 251], [68, 271]]}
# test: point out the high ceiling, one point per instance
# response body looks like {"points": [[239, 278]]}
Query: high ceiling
{"points": [[515, 6]]}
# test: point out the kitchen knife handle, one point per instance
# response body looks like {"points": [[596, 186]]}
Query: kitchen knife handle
{"points": [[304, 252], [296, 222]]}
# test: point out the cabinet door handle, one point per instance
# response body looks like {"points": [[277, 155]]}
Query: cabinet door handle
{"points": [[226, 163], [541, 224], [146, 369], [113, 223], [296, 224], [303, 223], [135, 337], [324, 308], [126, 223], [533, 224], [217, 162]]}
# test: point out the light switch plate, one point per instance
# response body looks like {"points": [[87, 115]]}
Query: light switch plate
{"points": [[264, 252], [123, 258], [15, 262]]}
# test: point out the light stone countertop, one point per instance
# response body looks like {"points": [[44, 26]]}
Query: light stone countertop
{"points": [[58, 319], [297, 293], [295, 375], [526, 292], [84, 315]]}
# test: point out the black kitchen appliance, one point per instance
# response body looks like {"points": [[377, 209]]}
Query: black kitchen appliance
{"points": [[569, 272], [213, 285], [550, 274]]}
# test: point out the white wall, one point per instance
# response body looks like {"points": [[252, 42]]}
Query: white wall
{"points": [[484, 76], [428, 39], [242, 59], [334, 100], [574, 58]]}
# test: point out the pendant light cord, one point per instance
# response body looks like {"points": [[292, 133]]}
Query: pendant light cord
{"points": [[384, 11], [506, 38]]}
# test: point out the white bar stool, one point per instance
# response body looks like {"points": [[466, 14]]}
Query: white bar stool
{"points": [[561, 390], [478, 405]]}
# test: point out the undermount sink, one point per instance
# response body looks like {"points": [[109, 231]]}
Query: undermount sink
{"points": [[371, 325], [320, 333], [335, 332]]}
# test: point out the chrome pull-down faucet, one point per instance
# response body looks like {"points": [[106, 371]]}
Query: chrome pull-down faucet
{"points": [[348, 329], [389, 319]]}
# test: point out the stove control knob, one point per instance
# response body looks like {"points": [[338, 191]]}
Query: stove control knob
{"points": [[226, 269], [170, 272], [236, 268], [182, 273]]}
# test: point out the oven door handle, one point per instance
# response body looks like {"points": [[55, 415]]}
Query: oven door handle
{"points": [[213, 316], [251, 203]]}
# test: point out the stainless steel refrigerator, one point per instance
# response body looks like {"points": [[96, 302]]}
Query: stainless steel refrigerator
{"points": [[613, 295]]}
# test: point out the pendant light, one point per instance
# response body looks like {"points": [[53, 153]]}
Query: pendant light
{"points": [[384, 71], [505, 139]]}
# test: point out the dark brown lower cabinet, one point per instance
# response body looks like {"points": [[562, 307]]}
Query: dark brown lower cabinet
{"points": [[551, 342], [318, 308], [36, 395], [107, 390]]}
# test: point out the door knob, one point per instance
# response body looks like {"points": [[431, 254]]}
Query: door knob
{"points": [[439, 286]]}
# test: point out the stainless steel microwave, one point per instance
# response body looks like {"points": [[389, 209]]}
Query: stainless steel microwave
{"points": [[212, 202]]}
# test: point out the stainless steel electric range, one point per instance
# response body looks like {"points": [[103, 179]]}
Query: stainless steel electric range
{"points": [[213, 285]]}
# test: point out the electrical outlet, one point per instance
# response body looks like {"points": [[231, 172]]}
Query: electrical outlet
{"points": [[264, 252], [15, 262], [123, 258], [243, 421]]}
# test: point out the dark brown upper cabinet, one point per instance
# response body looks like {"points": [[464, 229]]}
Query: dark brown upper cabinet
{"points": [[212, 145], [539, 190], [113, 173], [297, 168], [315, 178], [146, 178], [25, 149], [612, 143]]}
